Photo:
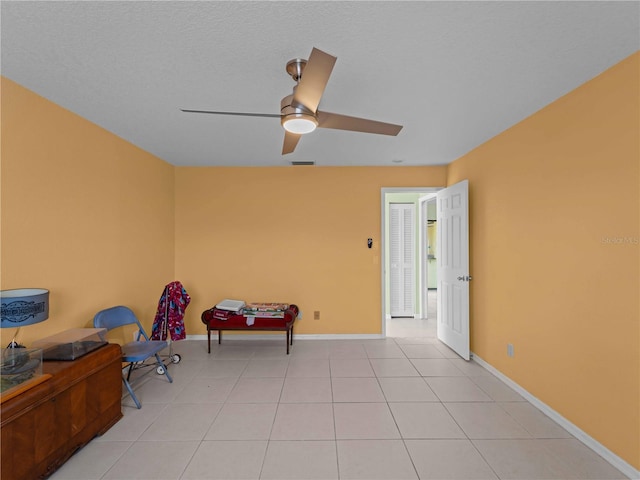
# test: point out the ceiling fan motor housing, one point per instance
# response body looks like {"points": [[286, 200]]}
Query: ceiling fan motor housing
{"points": [[294, 114]]}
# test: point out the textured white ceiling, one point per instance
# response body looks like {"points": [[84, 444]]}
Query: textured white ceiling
{"points": [[454, 74]]}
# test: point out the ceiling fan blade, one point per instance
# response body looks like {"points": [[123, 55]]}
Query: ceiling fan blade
{"points": [[355, 124], [290, 142], [275, 115], [314, 79]]}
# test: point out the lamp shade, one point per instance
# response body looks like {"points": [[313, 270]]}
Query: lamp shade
{"points": [[23, 306]]}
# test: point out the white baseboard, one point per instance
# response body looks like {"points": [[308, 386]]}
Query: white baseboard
{"points": [[297, 336], [585, 438], [339, 336]]}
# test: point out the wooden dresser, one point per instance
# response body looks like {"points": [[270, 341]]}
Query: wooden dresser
{"points": [[42, 427]]}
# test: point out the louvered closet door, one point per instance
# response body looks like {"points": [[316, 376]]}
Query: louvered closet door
{"points": [[402, 258]]}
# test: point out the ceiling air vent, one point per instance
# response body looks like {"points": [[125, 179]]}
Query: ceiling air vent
{"points": [[303, 163]]}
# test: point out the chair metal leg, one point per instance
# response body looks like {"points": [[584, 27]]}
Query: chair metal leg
{"points": [[164, 367], [133, 395], [129, 371]]}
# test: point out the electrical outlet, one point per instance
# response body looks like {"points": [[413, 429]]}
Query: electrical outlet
{"points": [[316, 315], [509, 349], [299, 314]]}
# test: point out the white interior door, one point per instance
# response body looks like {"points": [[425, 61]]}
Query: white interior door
{"points": [[453, 267], [402, 259]]}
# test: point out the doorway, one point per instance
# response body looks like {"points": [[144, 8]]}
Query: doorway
{"points": [[420, 319]]}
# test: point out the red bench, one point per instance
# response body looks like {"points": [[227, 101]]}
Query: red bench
{"points": [[239, 322]]}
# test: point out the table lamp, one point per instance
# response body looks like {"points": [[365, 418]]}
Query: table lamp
{"points": [[21, 307]]}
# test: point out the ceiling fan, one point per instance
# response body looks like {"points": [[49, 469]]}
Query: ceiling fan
{"points": [[299, 112]]}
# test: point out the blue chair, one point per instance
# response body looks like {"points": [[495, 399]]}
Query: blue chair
{"points": [[133, 353]]}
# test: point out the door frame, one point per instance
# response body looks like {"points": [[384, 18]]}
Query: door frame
{"points": [[384, 271]]}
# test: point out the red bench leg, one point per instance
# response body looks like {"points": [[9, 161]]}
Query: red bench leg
{"points": [[288, 334], [209, 337]]}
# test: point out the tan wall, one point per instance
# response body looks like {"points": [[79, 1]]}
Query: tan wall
{"points": [[84, 214], [554, 255], [289, 234]]}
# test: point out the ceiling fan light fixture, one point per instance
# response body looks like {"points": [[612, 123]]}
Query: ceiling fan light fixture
{"points": [[299, 123]]}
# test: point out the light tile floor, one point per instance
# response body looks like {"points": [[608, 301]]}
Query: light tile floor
{"points": [[394, 408]]}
